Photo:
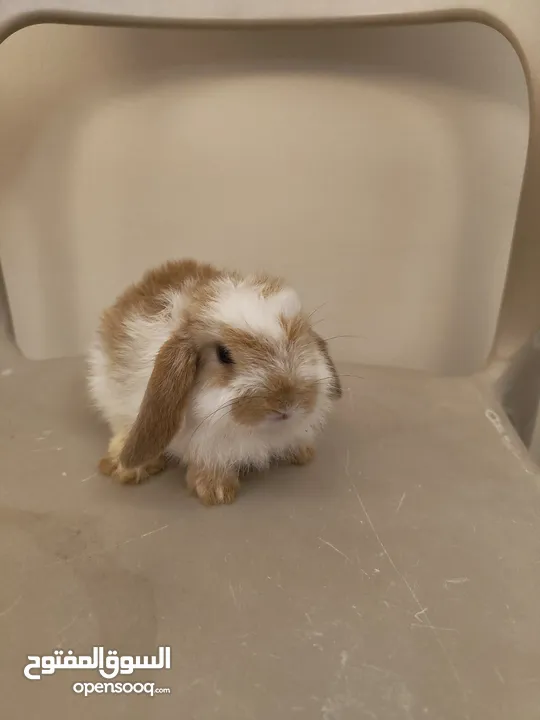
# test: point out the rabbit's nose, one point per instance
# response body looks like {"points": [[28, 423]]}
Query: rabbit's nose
{"points": [[281, 414]]}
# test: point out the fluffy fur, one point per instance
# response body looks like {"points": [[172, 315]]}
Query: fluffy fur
{"points": [[222, 371]]}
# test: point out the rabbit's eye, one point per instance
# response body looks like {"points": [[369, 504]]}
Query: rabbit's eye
{"points": [[224, 355]]}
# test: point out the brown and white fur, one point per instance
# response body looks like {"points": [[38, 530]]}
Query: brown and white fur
{"points": [[220, 370]]}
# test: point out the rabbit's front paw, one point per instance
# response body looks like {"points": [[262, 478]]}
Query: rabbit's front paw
{"points": [[212, 487], [111, 466]]}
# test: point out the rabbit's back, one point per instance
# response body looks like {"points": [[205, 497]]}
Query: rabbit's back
{"points": [[130, 334]]}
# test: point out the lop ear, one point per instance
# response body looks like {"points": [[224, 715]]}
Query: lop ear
{"points": [[163, 404], [335, 391]]}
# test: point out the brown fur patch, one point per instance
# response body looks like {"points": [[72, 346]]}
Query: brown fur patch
{"points": [[336, 391], [147, 298], [301, 455], [269, 285], [296, 329], [279, 395], [163, 405], [250, 349], [246, 350]]}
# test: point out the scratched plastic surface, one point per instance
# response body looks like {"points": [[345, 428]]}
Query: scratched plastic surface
{"points": [[394, 578]]}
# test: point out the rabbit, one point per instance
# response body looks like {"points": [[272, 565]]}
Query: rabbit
{"points": [[220, 370]]}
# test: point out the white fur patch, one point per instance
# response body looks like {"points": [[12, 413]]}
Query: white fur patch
{"points": [[245, 308], [176, 304], [213, 404]]}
